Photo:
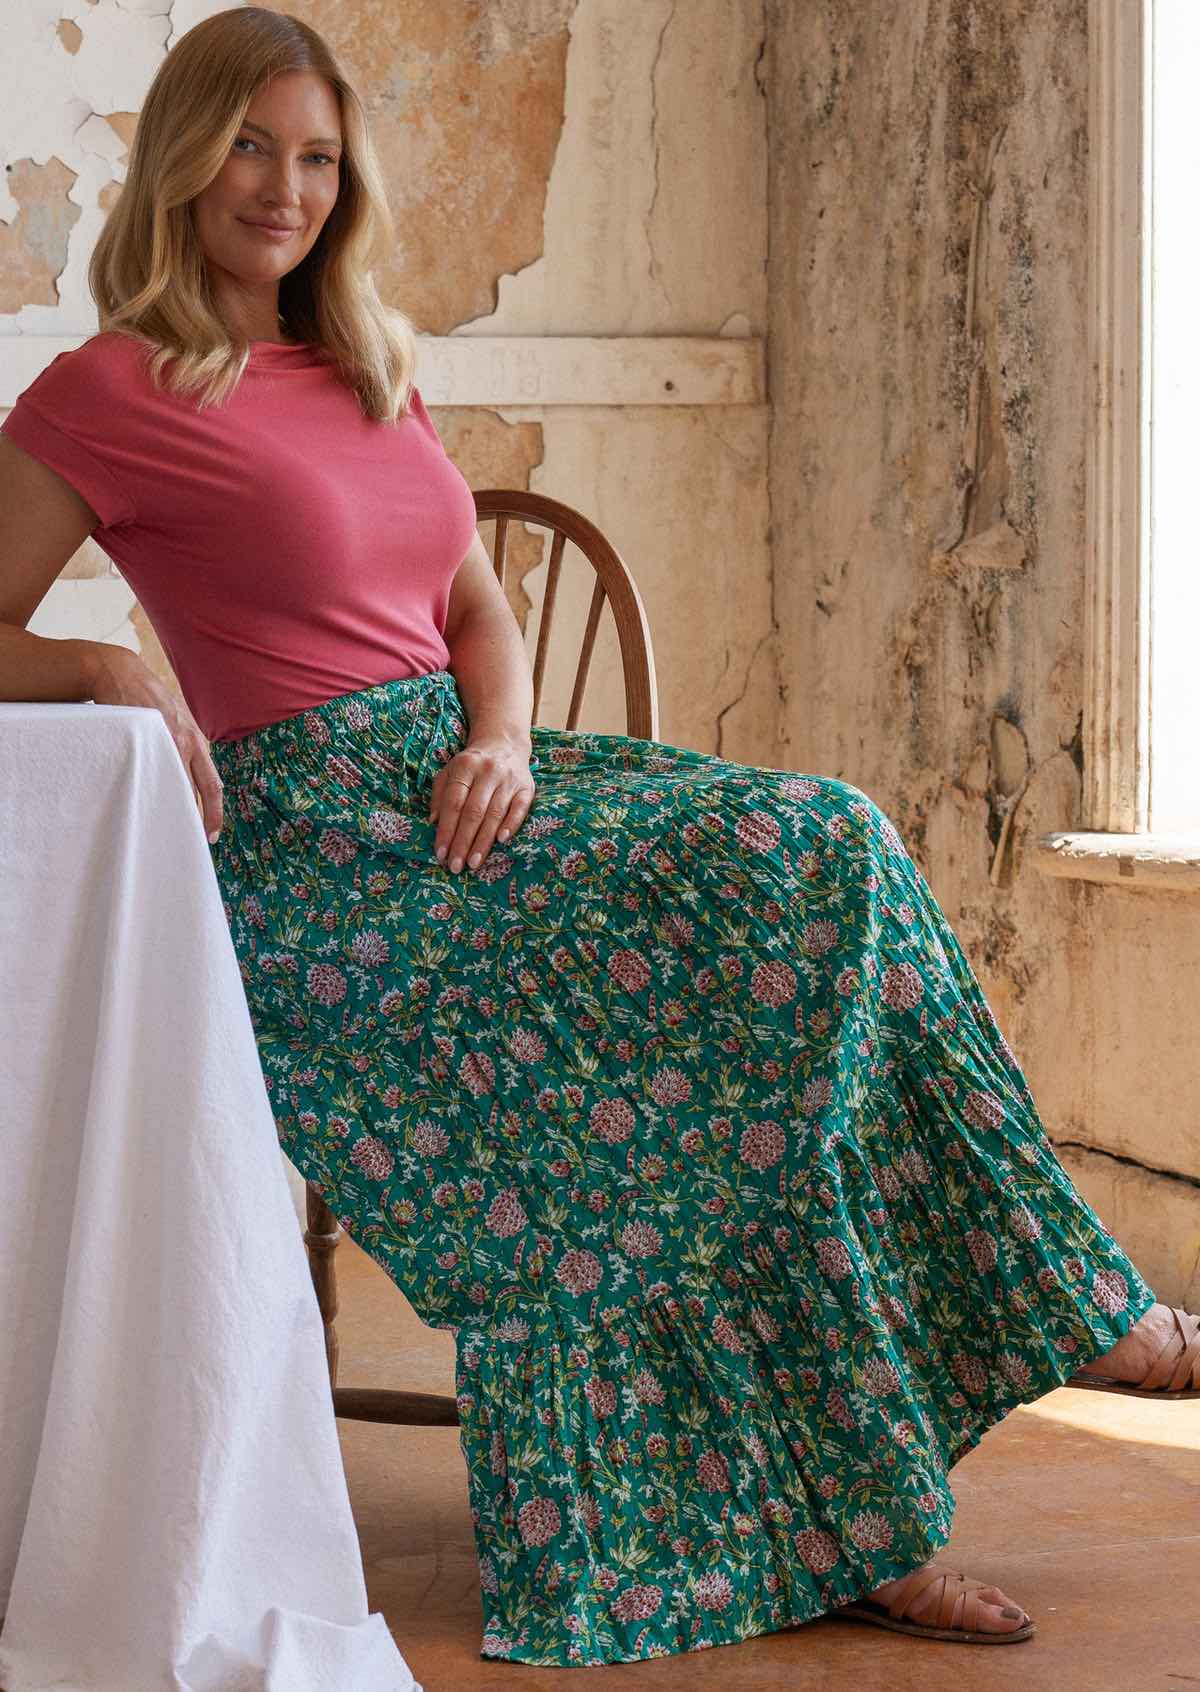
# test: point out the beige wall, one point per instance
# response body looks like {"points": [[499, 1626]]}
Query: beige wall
{"points": [[927, 360]]}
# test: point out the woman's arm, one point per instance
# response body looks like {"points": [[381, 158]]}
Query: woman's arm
{"points": [[484, 792]]}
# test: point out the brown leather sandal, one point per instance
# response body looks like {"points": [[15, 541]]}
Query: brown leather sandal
{"points": [[1166, 1377], [956, 1588]]}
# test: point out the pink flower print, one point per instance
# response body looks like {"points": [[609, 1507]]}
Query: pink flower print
{"points": [[895, 1313], [428, 1139], [833, 1258], [477, 1072], [901, 986], [370, 949], [871, 1531], [725, 1334], [757, 832], [505, 1216], [588, 1511], [526, 1045], [762, 1144], [712, 1471], [835, 826], [714, 1591], [1024, 1224], [880, 1376], [656, 1445], [579, 1271], [773, 983], [799, 787], [335, 845], [629, 970], [817, 1551], [342, 769], [641, 1239], [371, 1156], [817, 1095], [819, 936], [487, 1576], [982, 1248], [1015, 1370], [326, 984], [445, 1193], [601, 1395], [612, 1120], [387, 826], [670, 1086], [677, 930], [637, 1603], [913, 1167], [316, 728], [539, 1521], [691, 1142], [983, 1110], [766, 1327], [970, 1372], [1110, 1291], [847, 981], [647, 1388]]}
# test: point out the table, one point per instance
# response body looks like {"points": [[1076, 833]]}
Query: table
{"points": [[173, 1507]]}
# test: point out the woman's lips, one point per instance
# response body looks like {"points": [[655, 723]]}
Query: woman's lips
{"points": [[279, 235]]}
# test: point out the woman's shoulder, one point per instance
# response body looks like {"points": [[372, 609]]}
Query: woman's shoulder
{"points": [[107, 365]]}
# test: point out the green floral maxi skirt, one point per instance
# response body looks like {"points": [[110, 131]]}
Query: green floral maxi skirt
{"points": [[687, 1115]]}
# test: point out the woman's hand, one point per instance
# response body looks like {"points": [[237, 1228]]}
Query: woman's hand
{"points": [[120, 677], [482, 794]]}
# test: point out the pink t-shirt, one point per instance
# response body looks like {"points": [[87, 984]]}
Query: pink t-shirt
{"points": [[285, 547]]}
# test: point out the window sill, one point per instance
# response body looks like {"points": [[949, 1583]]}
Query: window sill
{"points": [[1168, 862]]}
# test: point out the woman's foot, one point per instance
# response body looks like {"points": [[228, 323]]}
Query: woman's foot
{"points": [[1135, 1351], [997, 1612]]}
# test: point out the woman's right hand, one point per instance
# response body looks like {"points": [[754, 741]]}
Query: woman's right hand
{"points": [[119, 677]]}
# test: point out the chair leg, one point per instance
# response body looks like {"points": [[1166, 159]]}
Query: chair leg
{"points": [[321, 1237]]}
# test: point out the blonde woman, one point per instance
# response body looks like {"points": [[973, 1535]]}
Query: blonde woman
{"points": [[659, 1079]]}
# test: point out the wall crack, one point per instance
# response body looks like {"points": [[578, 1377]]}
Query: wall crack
{"points": [[1130, 1162]]}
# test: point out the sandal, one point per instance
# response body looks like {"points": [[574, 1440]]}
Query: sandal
{"points": [[955, 1588], [1166, 1377]]}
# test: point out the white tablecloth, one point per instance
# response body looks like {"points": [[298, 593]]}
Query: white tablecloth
{"points": [[173, 1508]]}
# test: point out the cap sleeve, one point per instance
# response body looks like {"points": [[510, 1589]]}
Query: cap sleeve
{"points": [[59, 419]]}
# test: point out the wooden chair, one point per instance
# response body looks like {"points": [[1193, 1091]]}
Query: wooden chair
{"points": [[613, 584]]}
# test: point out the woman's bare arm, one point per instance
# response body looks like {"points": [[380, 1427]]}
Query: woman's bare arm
{"points": [[43, 522]]}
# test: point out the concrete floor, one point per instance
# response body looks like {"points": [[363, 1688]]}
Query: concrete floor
{"points": [[1084, 1507]]}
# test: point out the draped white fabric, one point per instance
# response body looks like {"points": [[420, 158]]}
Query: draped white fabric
{"points": [[173, 1508]]}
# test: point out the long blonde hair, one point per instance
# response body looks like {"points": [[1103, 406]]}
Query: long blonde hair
{"points": [[147, 272]]}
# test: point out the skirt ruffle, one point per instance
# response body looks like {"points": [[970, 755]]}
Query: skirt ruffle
{"points": [[686, 1113]]}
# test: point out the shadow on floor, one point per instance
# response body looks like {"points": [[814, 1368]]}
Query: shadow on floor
{"points": [[1083, 1507]]}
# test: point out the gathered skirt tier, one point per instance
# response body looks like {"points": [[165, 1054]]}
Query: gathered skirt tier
{"points": [[686, 1114]]}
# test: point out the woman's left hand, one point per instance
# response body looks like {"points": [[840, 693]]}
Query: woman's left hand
{"points": [[483, 794]]}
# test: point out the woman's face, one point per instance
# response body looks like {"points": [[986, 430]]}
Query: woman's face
{"points": [[282, 169]]}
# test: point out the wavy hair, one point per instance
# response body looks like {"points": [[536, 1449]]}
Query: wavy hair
{"points": [[148, 273]]}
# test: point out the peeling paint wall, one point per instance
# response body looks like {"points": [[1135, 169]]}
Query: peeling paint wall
{"points": [[555, 167], [927, 358]]}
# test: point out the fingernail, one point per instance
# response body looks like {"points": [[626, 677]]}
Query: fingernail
{"points": [[473, 860], [503, 834], [441, 853], [214, 837], [456, 864], [1013, 1615]]}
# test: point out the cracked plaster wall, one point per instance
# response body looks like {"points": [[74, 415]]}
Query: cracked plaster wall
{"points": [[554, 167], [927, 360]]}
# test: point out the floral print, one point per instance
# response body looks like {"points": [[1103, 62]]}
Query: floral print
{"points": [[687, 1115]]}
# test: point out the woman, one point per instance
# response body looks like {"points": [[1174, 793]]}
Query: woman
{"points": [[661, 1080]]}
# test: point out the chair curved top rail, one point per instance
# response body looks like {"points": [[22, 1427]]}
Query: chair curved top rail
{"points": [[614, 583]]}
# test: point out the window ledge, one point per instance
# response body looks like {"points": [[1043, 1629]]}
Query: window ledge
{"points": [[1167, 861]]}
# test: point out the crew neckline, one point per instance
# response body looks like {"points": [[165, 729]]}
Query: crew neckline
{"points": [[283, 352]]}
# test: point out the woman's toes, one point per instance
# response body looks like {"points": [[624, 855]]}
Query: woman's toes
{"points": [[997, 1610]]}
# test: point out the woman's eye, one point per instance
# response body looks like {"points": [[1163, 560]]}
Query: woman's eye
{"points": [[249, 143]]}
